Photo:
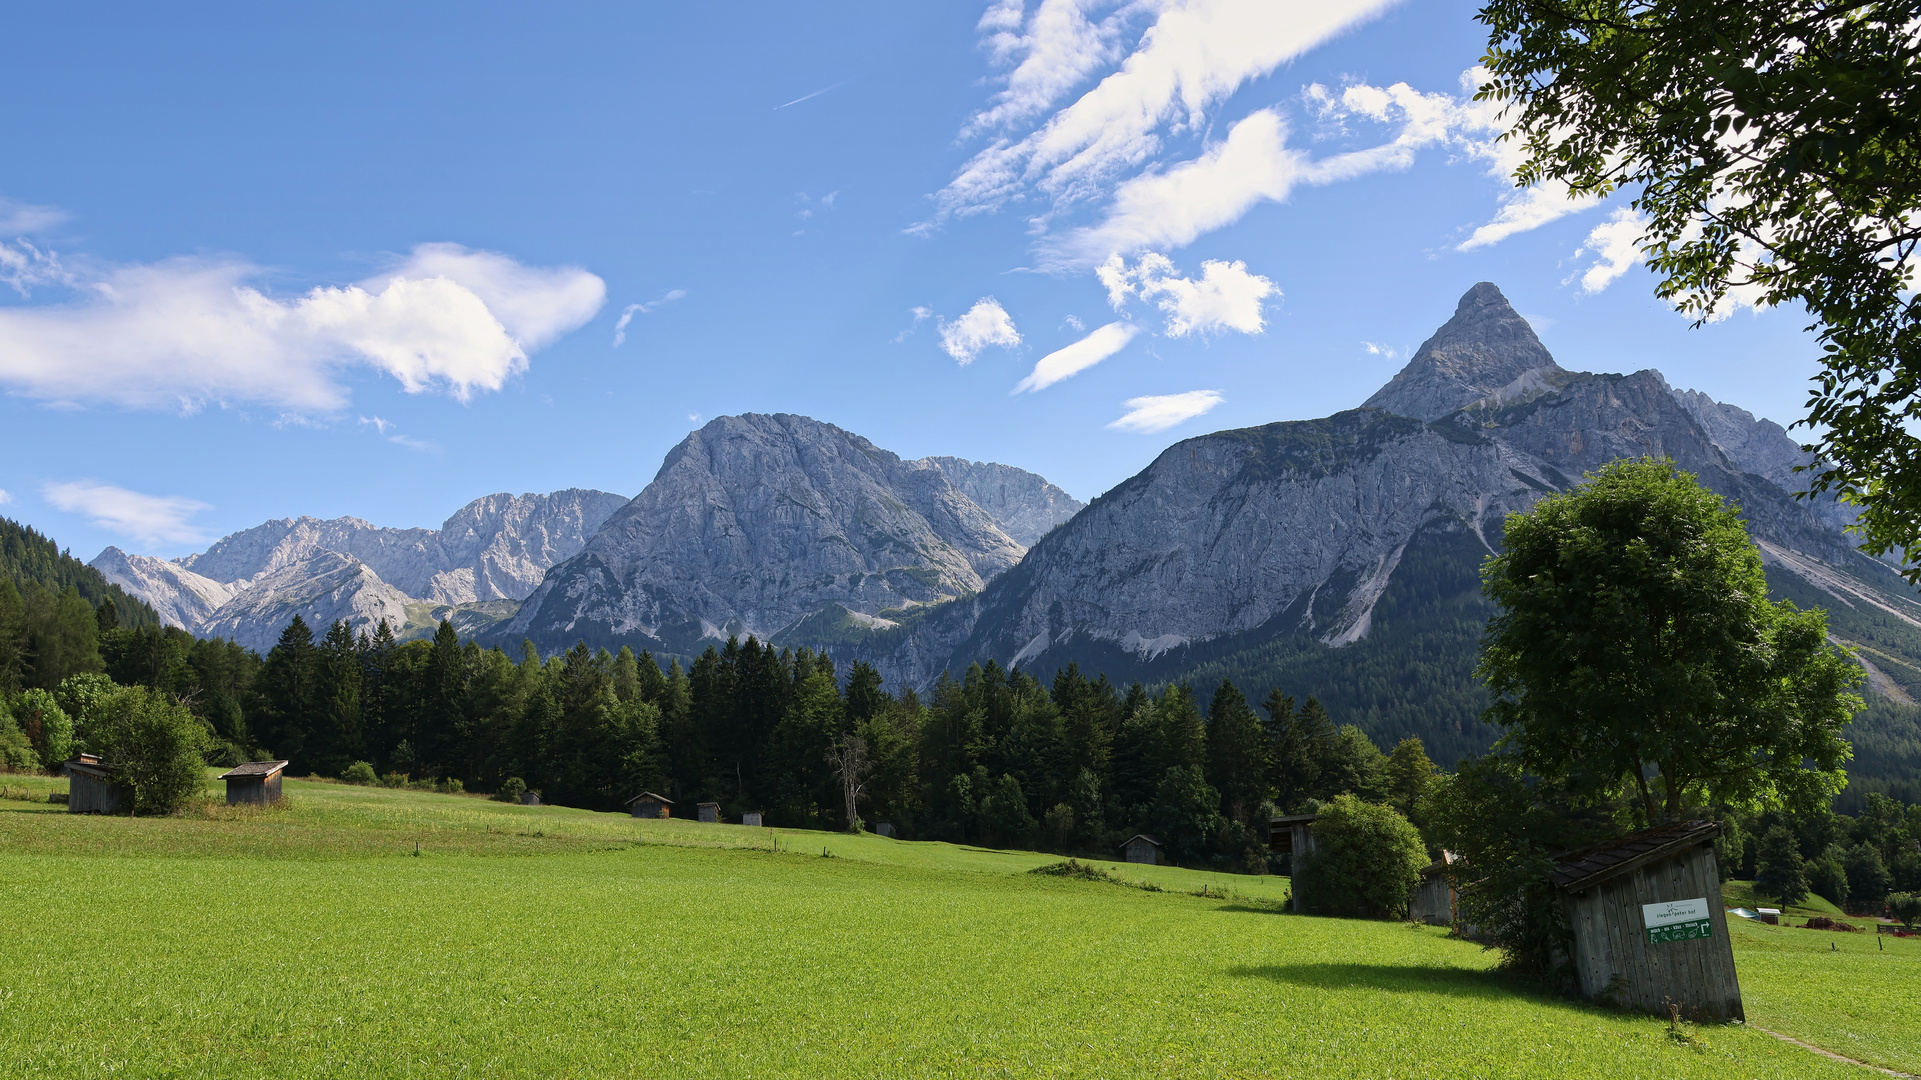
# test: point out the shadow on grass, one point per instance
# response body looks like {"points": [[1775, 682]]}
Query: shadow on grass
{"points": [[1448, 981], [1251, 909]]}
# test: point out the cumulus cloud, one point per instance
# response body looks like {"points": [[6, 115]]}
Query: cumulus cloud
{"points": [[1146, 415], [1226, 297], [22, 219], [152, 519], [1078, 357], [1616, 247], [187, 332], [985, 324], [1195, 55]]}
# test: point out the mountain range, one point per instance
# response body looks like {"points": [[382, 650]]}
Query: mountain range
{"points": [[1337, 557]]}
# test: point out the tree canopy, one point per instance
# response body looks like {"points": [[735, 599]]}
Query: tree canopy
{"points": [[1771, 147], [1635, 646]]}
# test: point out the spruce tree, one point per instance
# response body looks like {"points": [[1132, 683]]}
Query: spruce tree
{"points": [[1780, 871], [336, 738], [62, 634], [286, 689], [626, 675], [1184, 732], [13, 639], [1237, 753]]}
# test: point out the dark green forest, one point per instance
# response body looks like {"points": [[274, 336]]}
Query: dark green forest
{"points": [[29, 560]]}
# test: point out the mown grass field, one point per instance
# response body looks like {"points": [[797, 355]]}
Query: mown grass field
{"points": [[554, 943]]}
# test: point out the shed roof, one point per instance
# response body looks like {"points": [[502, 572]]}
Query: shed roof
{"points": [[707, 804], [1142, 836], [650, 795], [1595, 864], [89, 765], [252, 769], [1293, 819]]}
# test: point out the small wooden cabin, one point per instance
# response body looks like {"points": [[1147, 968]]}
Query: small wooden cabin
{"points": [[92, 788], [709, 812], [1142, 848], [1432, 901], [530, 798], [649, 805], [751, 817], [1291, 836], [255, 783], [1649, 927], [885, 828]]}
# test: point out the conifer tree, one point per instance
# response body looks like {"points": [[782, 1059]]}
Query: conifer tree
{"points": [[13, 639], [336, 738], [63, 636], [1407, 777], [286, 689], [1237, 753]]}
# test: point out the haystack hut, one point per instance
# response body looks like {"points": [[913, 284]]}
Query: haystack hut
{"points": [[93, 789], [1142, 848], [1649, 929], [751, 817], [256, 783], [1432, 901], [709, 812], [649, 805], [1291, 836]]}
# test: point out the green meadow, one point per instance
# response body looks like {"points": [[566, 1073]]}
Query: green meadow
{"points": [[545, 942]]}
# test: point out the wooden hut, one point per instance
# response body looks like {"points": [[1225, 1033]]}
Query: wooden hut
{"points": [[92, 788], [709, 812], [649, 805], [1648, 923], [751, 817], [885, 828], [256, 783], [1432, 901], [1142, 848], [1291, 836], [530, 798]]}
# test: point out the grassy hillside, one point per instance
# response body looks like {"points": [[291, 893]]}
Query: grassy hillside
{"points": [[310, 941]]}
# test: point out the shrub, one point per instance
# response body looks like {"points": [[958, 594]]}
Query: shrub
{"points": [[1074, 868], [1906, 907], [394, 780], [512, 790], [48, 727], [450, 786], [16, 750], [154, 745], [76, 696], [360, 772], [1367, 860]]}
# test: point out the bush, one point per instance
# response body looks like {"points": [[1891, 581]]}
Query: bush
{"points": [[1367, 860], [394, 780], [360, 772], [16, 750], [1074, 868], [48, 727], [77, 695], [154, 746], [1906, 907], [450, 786], [512, 790]]}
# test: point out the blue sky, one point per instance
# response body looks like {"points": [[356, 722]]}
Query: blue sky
{"points": [[263, 261]]}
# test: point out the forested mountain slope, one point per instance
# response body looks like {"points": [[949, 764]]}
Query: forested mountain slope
{"points": [[28, 558]]}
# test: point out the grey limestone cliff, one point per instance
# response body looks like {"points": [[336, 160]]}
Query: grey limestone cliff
{"points": [[181, 597], [1022, 503], [1485, 349], [320, 589], [757, 522]]}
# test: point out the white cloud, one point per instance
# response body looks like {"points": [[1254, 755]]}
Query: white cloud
{"points": [[921, 315], [1172, 208], [20, 219], [1146, 415], [4, 497], [185, 332], [1083, 354], [1226, 297], [985, 324], [1380, 350], [421, 445], [154, 519], [1616, 247], [382, 426], [627, 313], [1074, 323], [1196, 54], [23, 267], [1051, 52]]}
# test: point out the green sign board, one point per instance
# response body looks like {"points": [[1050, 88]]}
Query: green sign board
{"points": [[1677, 920]]}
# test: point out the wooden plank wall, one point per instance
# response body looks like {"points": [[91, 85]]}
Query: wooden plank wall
{"points": [[1614, 961]]}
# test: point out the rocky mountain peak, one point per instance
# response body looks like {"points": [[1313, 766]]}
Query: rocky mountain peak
{"points": [[1485, 349]]}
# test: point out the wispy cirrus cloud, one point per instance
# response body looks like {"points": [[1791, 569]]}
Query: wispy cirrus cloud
{"points": [[986, 324], [1616, 247], [24, 219], [1078, 357], [184, 333], [627, 313], [152, 519], [1147, 415]]}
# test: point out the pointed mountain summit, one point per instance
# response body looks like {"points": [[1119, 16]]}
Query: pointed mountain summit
{"points": [[1485, 349]]}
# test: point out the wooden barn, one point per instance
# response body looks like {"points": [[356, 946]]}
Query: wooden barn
{"points": [[92, 789], [1143, 848], [530, 798], [649, 805], [256, 783], [885, 828], [751, 817], [1432, 901], [709, 812], [1648, 923]]}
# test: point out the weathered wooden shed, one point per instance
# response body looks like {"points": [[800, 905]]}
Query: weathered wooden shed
{"points": [[1291, 836], [649, 805], [530, 798], [1142, 848], [885, 828], [1649, 928], [255, 783], [751, 817], [93, 789], [709, 812], [1432, 901]]}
